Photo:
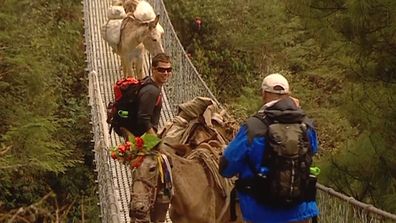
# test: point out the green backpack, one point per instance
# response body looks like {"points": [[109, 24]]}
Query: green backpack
{"points": [[283, 180], [288, 159]]}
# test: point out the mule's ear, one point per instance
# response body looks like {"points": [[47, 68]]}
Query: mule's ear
{"points": [[154, 23]]}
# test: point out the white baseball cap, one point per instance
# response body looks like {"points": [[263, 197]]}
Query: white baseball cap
{"points": [[275, 83]]}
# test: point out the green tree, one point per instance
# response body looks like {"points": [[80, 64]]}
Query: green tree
{"points": [[344, 48], [362, 32], [45, 130]]}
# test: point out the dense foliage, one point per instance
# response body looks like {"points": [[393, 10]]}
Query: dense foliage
{"points": [[45, 158], [340, 59]]}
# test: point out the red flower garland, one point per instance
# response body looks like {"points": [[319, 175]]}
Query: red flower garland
{"points": [[134, 149]]}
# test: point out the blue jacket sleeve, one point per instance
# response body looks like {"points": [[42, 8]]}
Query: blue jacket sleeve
{"points": [[313, 140], [239, 152], [235, 154]]}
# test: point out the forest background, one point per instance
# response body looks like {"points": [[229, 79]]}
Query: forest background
{"points": [[338, 55], [46, 160], [340, 59]]}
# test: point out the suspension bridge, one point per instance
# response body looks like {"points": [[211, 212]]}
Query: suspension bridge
{"points": [[113, 179]]}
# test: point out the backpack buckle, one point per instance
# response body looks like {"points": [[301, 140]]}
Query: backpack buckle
{"points": [[122, 113]]}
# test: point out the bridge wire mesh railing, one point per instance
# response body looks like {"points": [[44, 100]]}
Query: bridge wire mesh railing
{"points": [[106, 189], [114, 180]]}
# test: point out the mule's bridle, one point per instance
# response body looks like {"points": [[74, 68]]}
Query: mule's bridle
{"points": [[163, 176], [152, 187]]}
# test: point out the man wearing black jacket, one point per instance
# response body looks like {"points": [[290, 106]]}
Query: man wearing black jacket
{"points": [[149, 98]]}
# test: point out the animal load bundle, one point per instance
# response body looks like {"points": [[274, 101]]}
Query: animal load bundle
{"points": [[111, 32], [116, 12], [144, 12], [199, 120]]}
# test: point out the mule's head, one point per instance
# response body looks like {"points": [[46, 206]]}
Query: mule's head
{"points": [[153, 38], [151, 188], [144, 186]]}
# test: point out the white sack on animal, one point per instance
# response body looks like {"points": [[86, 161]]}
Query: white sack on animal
{"points": [[116, 12], [144, 12], [111, 32]]}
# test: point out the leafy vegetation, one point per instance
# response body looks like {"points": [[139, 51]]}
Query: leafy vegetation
{"points": [[45, 158], [340, 59]]}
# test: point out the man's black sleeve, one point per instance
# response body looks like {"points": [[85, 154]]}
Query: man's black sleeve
{"points": [[147, 99]]}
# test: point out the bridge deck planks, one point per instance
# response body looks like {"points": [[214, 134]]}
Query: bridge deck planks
{"points": [[101, 59]]}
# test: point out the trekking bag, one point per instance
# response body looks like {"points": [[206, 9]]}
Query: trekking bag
{"points": [[122, 111], [284, 179]]}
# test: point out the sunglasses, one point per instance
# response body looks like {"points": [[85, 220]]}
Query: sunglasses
{"points": [[162, 69]]}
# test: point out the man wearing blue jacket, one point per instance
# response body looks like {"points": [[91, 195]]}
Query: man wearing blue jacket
{"points": [[245, 158]]}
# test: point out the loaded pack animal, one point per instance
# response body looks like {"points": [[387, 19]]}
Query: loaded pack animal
{"points": [[131, 35], [192, 144]]}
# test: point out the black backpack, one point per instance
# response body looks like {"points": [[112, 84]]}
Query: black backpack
{"points": [[122, 111], [285, 179]]}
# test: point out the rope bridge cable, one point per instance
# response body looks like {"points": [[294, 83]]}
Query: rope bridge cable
{"points": [[113, 179]]}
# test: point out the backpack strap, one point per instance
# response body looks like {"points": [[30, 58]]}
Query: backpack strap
{"points": [[257, 125], [233, 201], [159, 100], [146, 81]]}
